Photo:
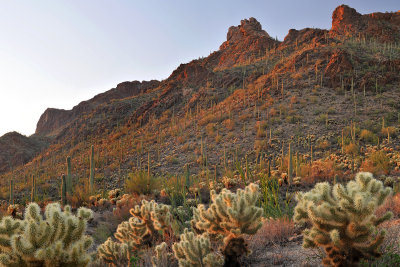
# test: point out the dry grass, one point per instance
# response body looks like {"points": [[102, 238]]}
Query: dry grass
{"points": [[392, 204], [272, 231], [320, 171]]}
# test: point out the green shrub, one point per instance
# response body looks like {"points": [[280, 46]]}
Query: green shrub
{"points": [[139, 183]]}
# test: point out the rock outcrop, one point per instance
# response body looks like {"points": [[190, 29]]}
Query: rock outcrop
{"points": [[17, 149], [52, 121], [385, 27], [244, 43]]}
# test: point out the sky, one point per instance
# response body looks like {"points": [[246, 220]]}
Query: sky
{"points": [[59, 53]]}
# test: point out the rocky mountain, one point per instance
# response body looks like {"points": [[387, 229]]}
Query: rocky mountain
{"points": [[17, 149], [227, 105], [54, 120]]}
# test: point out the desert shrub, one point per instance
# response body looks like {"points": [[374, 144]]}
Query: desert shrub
{"points": [[81, 195], [229, 124], [351, 149], [123, 206], [139, 182], [343, 220], [368, 136], [388, 131], [273, 231], [320, 170], [380, 162]]}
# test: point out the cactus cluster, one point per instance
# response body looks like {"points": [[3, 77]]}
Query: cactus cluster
{"points": [[343, 219], [142, 229], [195, 250], [57, 240], [231, 215], [114, 195]]}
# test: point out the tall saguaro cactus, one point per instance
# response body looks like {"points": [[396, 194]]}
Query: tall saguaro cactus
{"points": [[12, 192], [91, 181], [69, 176], [63, 190], [290, 165], [33, 192]]}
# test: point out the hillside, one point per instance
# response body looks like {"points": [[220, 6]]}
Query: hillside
{"points": [[312, 84], [273, 117]]}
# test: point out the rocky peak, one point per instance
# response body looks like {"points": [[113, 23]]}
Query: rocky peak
{"points": [[345, 18], [247, 28], [244, 42], [384, 27]]}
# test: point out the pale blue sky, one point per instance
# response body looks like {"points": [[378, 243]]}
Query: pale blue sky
{"points": [[57, 53]]}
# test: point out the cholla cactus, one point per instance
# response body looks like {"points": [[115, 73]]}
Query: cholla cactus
{"points": [[14, 211], [343, 219], [94, 199], [141, 229], [195, 251], [114, 252], [58, 240], [162, 256], [231, 215], [114, 195]]}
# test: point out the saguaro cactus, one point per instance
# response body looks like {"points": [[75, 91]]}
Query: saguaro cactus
{"points": [[63, 190], [12, 192], [33, 191], [290, 165], [69, 176], [91, 181], [343, 219]]}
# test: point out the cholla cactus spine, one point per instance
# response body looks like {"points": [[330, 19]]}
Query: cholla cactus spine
{"points": [[195, 251], [343, 219]]}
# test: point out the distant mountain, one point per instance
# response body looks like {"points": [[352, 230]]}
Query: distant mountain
{"points": [[17, 149]]}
